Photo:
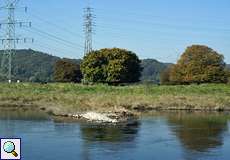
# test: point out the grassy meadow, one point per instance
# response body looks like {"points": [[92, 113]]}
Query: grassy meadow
{"points": [[69, 98]]}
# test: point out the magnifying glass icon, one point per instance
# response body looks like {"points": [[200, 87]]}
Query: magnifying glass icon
{"points": [[9, 147]]}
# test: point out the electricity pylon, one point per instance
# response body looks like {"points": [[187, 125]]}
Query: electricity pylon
{"points": [[10, 39], [88, 29]]}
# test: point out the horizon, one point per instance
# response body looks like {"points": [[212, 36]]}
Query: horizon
{"points": [[145, 28]]}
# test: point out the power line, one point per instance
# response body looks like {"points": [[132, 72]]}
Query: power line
{"points": [[61, 28], [64, 29], [57, 38], [52, 39]]}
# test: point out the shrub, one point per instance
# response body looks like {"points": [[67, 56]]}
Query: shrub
{"points": [[165, 76], [67, 71], [112, 66]]}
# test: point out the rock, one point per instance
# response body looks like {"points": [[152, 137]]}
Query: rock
{"points": [[118, 116], [77, 116], [98, 117]]}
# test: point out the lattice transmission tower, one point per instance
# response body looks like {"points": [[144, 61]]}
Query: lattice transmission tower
{"points": [[10, 39], [88, 29]]}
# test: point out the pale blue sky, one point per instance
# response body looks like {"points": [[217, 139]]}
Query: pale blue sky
{"points": [[159, 29]]}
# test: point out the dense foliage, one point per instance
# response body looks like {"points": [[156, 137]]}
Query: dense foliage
{"points": [[165, 75], [199, 64], [34, 66], [111, 66], [228, 74], [67, 71]]}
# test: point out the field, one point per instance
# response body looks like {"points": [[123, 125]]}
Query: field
{"points": [[75, 98]]}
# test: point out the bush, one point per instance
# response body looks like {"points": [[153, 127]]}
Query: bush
{"points": [[112, 66], [228, 74], [67, 71], [165, 76]]}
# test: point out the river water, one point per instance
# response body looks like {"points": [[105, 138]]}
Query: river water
{"points": [[156, 136]]}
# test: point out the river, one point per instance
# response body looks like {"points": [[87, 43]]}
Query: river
{"points": [[155, 136]]}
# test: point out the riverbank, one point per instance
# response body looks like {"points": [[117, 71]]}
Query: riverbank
{"points": [[64, 99]]}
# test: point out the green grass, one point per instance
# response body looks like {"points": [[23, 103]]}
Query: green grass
{"points": [[77, 98]]}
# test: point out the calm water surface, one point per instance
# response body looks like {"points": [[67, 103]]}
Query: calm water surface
{"points": [[159, 136]]}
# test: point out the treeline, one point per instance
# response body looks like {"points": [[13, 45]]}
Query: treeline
{"points": [[34, 66], [198, 64], [110, 66]]}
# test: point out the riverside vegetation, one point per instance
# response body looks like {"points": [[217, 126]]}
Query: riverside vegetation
{"points": [[60, 98], [200, 80], [34, 66]]}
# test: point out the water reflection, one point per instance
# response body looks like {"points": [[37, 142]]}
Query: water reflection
{"points": [[163, 136], [110, 133], [198, 132], [22, 114], [9, 120], [108, 138]]}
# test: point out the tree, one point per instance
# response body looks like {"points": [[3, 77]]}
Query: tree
{"points": [[111, 66], [228, 74], [165, 76], [67, 71], [199, 64]]}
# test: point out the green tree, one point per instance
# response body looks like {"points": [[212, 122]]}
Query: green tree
{"points": [[67, 71], [199, 64], [111, 66]]}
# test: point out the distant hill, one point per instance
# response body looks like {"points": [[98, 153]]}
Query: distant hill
{"points": [[35, 66], [152, 69], [30, 65], [228, 66]]}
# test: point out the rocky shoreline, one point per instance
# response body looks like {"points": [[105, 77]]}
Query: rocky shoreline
{"points": [[110, 117], [120, 115]]}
